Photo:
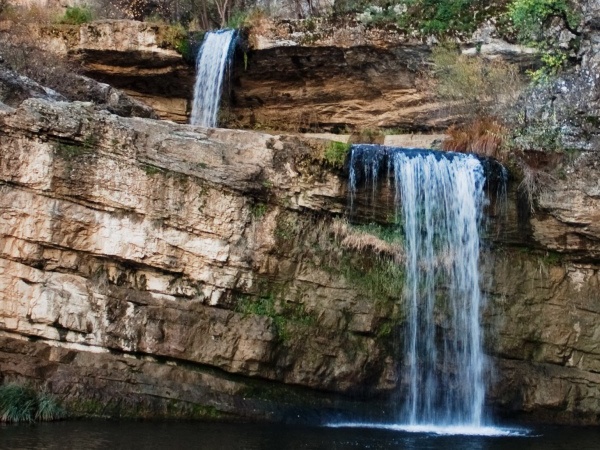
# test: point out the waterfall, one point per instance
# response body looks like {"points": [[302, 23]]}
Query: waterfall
{"points": [[211, 64], [439, 199]]}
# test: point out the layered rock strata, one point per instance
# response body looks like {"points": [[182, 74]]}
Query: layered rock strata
{"points": [[288, 75], [200, 249], [152, 269]]}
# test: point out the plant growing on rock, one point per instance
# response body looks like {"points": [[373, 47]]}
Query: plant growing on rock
{"points": [[477, 85], [479, 90], [76, 15], [335, 154], [23, 404], [552, 27], [483, 136]]}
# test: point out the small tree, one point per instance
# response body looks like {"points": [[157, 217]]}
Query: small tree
{"points": [[539, 23]]}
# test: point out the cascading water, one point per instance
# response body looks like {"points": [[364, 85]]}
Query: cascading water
{"points": [[211, 64], [439, 199]]}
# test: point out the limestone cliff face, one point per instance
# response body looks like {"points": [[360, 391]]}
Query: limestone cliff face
{"points": [[201, 249], [150, 269], [288, 75], [319, 75], [136, 57], [155, 269]]}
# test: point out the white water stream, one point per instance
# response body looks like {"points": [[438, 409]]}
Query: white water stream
{"points": [[439, 199], [211, 64]]}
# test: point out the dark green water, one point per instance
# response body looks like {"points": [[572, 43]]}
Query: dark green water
{"points": [[183, 435]]}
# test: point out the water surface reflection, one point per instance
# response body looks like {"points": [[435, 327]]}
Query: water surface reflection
{"points": [[118, 435]]}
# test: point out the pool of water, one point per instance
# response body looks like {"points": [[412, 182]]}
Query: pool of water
{"points": [[182, 435]]}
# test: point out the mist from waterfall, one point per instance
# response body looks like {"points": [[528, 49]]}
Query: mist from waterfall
{"points": [[212, 62], [439, 199]]}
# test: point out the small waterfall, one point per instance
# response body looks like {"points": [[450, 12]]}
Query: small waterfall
{"points": [[211, 63], [439, 199]]}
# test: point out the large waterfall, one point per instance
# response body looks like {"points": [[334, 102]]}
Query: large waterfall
{"points": [[439, 199], [211, 65]]}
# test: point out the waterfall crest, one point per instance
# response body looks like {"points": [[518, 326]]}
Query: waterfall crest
{"points": [[439, 199], [211, 63]]}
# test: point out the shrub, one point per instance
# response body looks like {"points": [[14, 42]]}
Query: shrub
{"points": [[23, 404], [46, 68], [532, 18], [441, 16], [476, 84], [76, 15], [534, 21]]}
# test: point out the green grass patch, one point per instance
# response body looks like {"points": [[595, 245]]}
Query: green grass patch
{"points": [[23, 404], [151, 170], [335, 154], [391, 234], [384, 279]]}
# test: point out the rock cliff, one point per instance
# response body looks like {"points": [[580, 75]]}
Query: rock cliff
{"points": [[199, 249], [288, 75], [154, 269]]}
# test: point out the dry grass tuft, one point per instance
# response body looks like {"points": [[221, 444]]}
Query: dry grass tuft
{"points": [[483, 136], [362, 241], [481, 85], [534, 182]]}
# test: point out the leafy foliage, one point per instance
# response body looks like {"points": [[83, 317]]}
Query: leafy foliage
{"points": [[76, 15], [532, 17], [538, 23], [440, 16]]}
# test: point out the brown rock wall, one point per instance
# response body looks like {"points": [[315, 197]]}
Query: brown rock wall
{"points": [[208, 247]]}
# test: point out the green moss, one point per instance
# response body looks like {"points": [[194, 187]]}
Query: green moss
{"points": [[551, 258], [282, 314], [285, 231], [150, 169], [87, 407], [385, 329], [183, 409], [71, 150], [379, 278]]}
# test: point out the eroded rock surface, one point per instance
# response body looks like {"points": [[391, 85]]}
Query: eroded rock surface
{"points": [[135, 57], [208, 248], [204, 273], [288, 75]]}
